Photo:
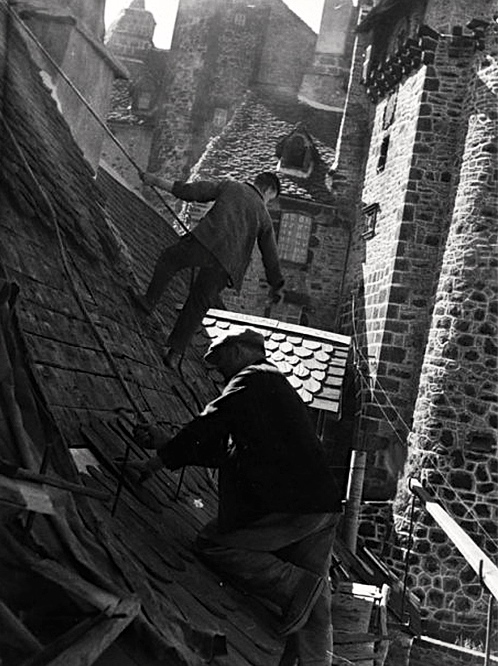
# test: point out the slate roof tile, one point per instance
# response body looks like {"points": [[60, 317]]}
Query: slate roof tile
{"points": [[306, 356], [248, 142], [112, 238]]}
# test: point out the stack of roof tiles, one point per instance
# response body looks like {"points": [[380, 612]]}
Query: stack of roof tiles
{"points": [[313, 361], [247, 144]]}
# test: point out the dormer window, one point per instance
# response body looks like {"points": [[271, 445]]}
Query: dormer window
{"points": [[220, 117], [296, 154], [144, 100]]}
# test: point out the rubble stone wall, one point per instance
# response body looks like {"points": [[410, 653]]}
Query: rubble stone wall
{"points": [[453, 444]]}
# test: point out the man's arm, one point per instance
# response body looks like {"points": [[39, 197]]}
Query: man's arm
{"points": [[268, 247], [163, 184], [200, 190], [202, 441]]}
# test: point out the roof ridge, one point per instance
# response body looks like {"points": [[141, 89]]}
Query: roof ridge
{"points": [[278, 325]]}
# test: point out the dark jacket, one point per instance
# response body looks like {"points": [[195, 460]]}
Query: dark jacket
{"points": [[259, 434], [230, 229]]}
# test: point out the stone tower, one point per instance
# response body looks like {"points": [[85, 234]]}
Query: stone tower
{"points": [[130, 36], [326, 82], [453, 439], [417, 155]]}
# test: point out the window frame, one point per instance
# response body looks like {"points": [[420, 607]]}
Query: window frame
{"points": [[289, 248]]}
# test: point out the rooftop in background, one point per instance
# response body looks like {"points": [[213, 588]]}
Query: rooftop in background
{"points": [[313, 361], [248, 143]]}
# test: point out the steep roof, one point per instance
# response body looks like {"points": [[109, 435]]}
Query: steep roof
{"points": [[81, 356], [313, 361], [79, 366], [248, 142]]}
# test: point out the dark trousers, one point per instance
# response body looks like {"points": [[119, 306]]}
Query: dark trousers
{"points": [[247, 559], [210, 281]]}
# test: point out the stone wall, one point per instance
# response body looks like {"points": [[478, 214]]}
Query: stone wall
{"points": [[453, 444], [326, 80], [394, 268], [218, 51], [312, 290], [425, 283], [288, 50]]}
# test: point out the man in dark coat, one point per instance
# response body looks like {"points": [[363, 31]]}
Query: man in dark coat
{"points": [[221, 244], [278, 502]]}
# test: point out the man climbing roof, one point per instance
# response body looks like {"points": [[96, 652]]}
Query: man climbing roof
{"points": [[221, 245]]}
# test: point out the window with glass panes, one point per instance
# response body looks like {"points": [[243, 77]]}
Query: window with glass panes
{"points": [[294, 237]]}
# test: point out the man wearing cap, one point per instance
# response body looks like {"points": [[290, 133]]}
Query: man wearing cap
{"points": [[221, 244], [278, 502]]}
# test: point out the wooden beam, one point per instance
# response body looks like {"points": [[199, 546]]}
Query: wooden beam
{"points": [[24, 495], [14, 633], [382, 649], [20, 474], [86, 650], [75, 585], [475, 557], [84, 643]]}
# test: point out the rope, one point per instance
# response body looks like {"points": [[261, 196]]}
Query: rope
{"points": [[445, 483], [52, 214], [100, 121], [65, 264], [378, 384]]}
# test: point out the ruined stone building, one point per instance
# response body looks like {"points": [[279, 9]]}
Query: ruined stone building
{"points": [[383, 130]]}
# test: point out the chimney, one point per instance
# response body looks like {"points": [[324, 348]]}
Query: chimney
{"points": [[72, 32], [325, 84]]}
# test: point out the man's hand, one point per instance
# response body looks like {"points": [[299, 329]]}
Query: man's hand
{"points": [[148, 178], [148, 436], [154, 181], [144, 470], [275, 295]]}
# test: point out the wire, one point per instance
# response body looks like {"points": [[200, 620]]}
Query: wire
{"points": [[470, 510], [445, 483], [100, 121], [393, 426], [364, 378]]}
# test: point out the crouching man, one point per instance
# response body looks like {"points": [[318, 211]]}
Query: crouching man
{"points": [[278, 503]]}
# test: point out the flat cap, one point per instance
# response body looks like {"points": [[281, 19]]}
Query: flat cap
{"points": [[237, 336]]}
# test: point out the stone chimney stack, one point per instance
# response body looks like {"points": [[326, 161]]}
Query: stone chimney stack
{"points": [[72, 32], [130, 36], [325, 84]]}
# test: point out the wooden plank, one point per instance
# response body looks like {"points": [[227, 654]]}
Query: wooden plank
{"points": [[90, 639], [75, 585], [352, 605], [15, 634], [344, 637], [326, 405], [25, 475], [25, 495], [474, 556], [382, 649]]}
